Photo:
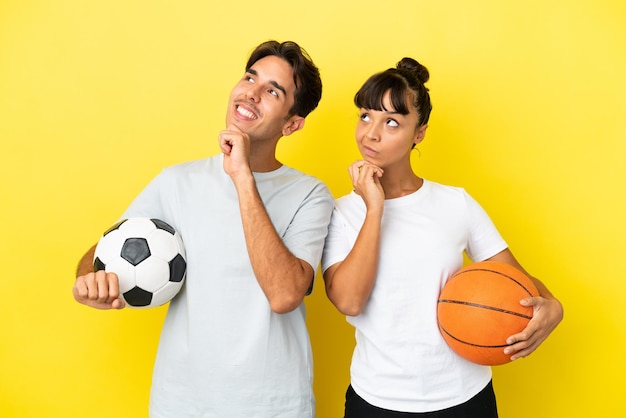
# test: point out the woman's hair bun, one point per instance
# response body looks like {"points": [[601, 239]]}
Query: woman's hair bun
{"points": [[418, 70]]}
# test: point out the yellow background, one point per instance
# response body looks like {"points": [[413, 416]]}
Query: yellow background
{"points": [[97, 96]]}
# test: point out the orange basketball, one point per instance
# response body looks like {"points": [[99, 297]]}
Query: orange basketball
{"points": [[479, 308]]}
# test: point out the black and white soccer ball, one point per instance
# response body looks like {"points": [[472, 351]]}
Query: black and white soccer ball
{"points": [[148, 257]]}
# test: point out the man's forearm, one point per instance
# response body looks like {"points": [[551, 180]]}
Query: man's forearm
{"points": [[85, 265], [284, 278]]}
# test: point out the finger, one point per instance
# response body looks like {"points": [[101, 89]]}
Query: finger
{"points": [[114, 287], [354, 170], [100, 292], [369, 171], [91, 285], [532, 301], [515, 348], [524, 352], [80, 290], [518, 345], [104, 288], [526, 334], [224, 142], [355, 166], [118, 304]]}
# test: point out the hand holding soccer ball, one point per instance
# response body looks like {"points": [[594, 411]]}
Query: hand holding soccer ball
{"points": [[139, 261], [99, 290]]}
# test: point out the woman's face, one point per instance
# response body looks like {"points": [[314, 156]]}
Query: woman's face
{"points": [[386, 137]]}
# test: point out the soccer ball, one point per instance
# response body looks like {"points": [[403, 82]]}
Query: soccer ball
{"points": [[148, 257]]}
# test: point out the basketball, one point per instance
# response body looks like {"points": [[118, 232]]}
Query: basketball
{"points": [[479, 308]]}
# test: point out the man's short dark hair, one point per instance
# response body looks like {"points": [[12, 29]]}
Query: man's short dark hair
{"points": [[306, 75]]}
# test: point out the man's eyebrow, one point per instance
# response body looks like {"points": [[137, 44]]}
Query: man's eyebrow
{"points": [[279, 87], [272, 82]]}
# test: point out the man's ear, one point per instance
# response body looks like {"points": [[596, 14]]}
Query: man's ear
{"points": [[295, 123], [420, 134]]}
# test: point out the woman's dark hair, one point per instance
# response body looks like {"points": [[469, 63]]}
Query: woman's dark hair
{"points": [[306, 75], [408, 76]]}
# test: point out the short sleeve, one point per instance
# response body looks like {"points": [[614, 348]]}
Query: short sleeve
{"points": [[484, 239], [337, 246]]}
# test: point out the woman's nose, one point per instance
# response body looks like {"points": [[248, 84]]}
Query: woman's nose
{"points": [[373, 132]]}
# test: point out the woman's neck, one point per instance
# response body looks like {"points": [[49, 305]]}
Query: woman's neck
{"points": [[398, 186]]}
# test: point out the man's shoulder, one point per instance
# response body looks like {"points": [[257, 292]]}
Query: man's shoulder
{"points": [[191, 166], [304, 180]]}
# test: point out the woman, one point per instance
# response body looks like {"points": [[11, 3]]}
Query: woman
{"points": [[392, 244]]}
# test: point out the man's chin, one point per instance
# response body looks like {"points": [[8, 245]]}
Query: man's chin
{"points": [[237, 125]]}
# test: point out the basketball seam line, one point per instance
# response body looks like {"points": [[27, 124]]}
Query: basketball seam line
{"points": [[472, 344], [502, 274], [477, 305]]}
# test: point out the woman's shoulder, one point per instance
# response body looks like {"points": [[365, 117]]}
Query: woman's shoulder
{"points": [[444, 190], [348, 199]]}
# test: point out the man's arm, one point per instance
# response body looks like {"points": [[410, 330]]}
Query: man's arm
{"points": [[85, 265], [284, 278]]}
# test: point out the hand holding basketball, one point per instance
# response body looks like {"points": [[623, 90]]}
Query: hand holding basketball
{"points": [[479, 309], [492, 313], [547, 313]]}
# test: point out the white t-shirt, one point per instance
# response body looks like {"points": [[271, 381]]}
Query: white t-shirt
{"points": [[223, 352], [401, 361]]}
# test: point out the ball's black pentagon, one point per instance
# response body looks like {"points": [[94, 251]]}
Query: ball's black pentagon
{"points": [[135, 250], [178, 265], [98, 265], [163, 225], [114, 227], [138, 297]]}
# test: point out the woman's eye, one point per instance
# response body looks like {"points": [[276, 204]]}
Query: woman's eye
{"points": [[392, 123], [365, 117]]}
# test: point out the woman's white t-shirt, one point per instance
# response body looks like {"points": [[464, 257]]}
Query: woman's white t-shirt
{"points": [[401, 361]]}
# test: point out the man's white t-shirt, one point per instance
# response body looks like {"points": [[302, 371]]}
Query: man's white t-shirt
{"points": [[223, 352]]}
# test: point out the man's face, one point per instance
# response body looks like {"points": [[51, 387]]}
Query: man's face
{"points": [[259, 103]]}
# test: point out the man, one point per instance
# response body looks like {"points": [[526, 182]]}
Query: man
{"points": [[234, 342]]}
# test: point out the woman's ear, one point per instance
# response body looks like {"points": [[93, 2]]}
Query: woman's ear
{"points": [[295, 123], [420, 134]]}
